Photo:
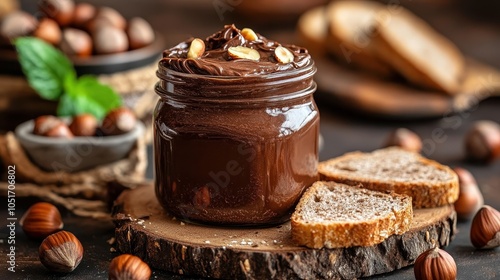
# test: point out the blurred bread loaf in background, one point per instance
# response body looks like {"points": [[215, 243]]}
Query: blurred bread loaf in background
{"points": [[351, 27], [384, 40]]}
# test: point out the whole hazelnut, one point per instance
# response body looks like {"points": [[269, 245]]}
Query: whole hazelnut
{"points": [[17, 24], [42, 124], [470, 198], [118, 121], [84, 125], [61, 252], [51, 126], [76, 42], [49, 31], [109, 40], [59, 10], [106, 16], [482, 141], [41, 220], [128, 267], [140, 33], [485, 228], [60, 130], [406, 139], [435, 264], [83, 14]]}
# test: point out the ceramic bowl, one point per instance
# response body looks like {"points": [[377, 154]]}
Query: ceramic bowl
{"points": [[76, 154]]}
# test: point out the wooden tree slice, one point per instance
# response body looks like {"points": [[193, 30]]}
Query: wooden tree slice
{"points": [[144, 229]]}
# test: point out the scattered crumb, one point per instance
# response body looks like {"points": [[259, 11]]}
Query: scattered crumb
{"points": [[207, 241], [183, 224], [112, 250], [111, 241]]}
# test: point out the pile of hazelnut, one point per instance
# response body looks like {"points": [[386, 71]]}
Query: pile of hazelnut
{"points": [[80, 29], [116, 122], [61, 251]]}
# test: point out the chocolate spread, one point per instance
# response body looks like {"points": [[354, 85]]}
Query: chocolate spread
{"points": [[235, 139], [216, 61]]}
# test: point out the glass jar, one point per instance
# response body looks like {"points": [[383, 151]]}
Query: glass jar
{"points": [[235, 150]]}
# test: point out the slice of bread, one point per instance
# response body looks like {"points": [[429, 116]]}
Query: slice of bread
{"points": [[393, 169], [351, 26], [418, 52], [312, 28], [334, 215]]}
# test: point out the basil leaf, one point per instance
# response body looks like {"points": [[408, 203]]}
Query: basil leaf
{"points": [[46, 68], [88, 95]]}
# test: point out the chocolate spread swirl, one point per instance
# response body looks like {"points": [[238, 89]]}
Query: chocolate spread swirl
{"points": [[216, 61]]}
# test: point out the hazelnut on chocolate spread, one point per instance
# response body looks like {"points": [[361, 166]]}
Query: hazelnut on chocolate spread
{"points": [[235, 129]]}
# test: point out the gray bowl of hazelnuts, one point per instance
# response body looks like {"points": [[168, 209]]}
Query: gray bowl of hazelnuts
{"points": [[79, 143]]}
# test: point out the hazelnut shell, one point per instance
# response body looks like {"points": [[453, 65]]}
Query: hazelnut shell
{"points": [[84, 125], [128, 267], [435, 264], [61, 252], [16, 24], [41, 220], [482, 141], [118, 121], [83, 14], [406, 139], [470, 198], [76, 42], [140, 33], [485, 228], [59, 10], [49, 31], [109, 40]]}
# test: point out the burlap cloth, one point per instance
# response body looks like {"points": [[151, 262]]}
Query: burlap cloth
{"points": [[88, 193]]}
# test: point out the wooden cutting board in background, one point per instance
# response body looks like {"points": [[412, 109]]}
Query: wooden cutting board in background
{"points": [[354, 90]]}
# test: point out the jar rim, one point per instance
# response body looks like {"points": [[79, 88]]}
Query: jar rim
{"points": [[276, 86], [310, 67]]}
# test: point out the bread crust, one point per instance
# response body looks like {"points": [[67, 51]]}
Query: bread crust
{"points": [[348, 234], [424, 194], [358, 50]]}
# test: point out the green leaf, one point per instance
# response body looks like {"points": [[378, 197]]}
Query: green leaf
{"points": [[46, 68], [88, 95]]}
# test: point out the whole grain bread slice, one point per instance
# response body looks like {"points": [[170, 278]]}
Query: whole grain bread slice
{"points": [[334, 215], [418, 52], [429, 183], [351, 26]]}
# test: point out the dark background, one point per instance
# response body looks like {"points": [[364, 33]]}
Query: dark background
{"points": [[470, 24]]}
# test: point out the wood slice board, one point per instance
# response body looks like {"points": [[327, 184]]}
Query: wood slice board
{"points": [[144, 229], [361, 92]]}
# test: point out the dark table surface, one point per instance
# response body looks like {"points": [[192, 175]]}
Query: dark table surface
{"points": [[476, 34]]}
